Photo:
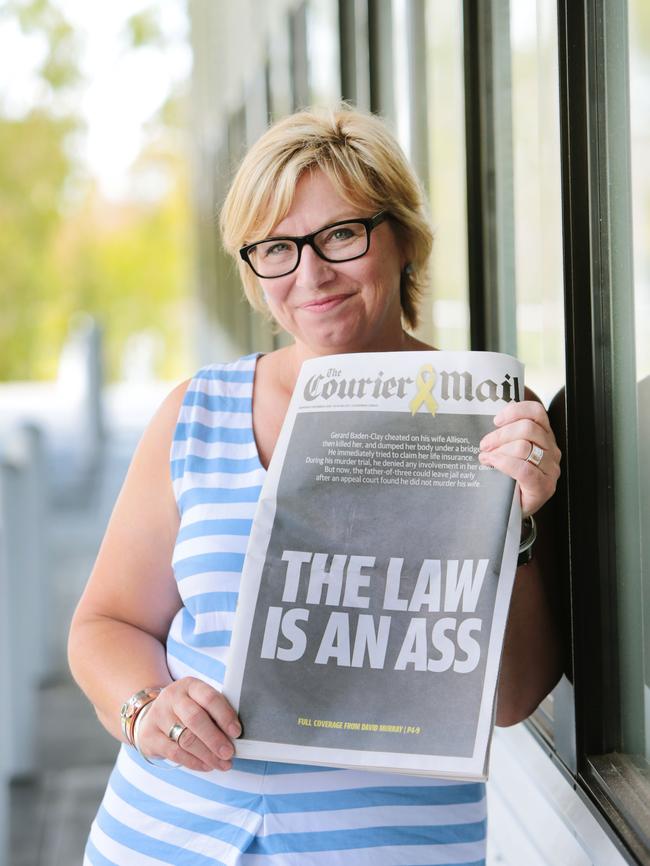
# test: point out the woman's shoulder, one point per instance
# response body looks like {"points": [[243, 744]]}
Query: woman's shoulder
{"points": [[206, 378], [239, 370]]}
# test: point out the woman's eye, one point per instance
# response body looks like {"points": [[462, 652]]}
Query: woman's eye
{"points": [[343, 233], [276, 249]]}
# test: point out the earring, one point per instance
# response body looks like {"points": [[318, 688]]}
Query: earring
{"points": [[408, 270]]}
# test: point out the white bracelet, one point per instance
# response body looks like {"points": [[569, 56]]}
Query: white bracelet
{"points": [[136, 731]]}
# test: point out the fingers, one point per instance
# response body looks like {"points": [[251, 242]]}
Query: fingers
{"points": [[524, 409], [520, 449], [536, 486], [523, 430], [519, 426], [210, 724]]}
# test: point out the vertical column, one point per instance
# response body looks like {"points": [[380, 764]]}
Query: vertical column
{"points": [[257, 112], [24, 632], [490, 201], [5, 689], [380, 37], [299, 64], [354, 50]]}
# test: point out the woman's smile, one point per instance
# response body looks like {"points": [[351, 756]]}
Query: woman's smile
{"points": [[322, 305]]}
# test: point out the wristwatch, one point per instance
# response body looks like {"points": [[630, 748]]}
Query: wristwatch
{"points": [[132, 707], [526, 544]]}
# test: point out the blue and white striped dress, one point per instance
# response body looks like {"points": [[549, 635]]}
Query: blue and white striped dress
{"points": [[259, 813]]}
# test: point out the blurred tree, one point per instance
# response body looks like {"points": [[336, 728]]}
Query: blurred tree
{"points": [[126, 263], [34, 168], [143, 29], [58, 68], [33, 171], [639, 14]]}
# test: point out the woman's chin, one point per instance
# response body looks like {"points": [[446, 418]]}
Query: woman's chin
{"points": [[341, 341]]}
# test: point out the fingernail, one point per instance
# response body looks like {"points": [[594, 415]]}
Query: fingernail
{"points": [[484, 444], [225, 752], [483, 458], [234, 730], [498, 418]]}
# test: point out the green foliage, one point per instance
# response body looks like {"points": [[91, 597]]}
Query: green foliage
{"points": [[33, 171], [143, 29], [63, 248], [639, 15], [58, 67], [127, 264]]}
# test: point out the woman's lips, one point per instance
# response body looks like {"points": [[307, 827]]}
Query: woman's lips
{"points": [[323, 304]]}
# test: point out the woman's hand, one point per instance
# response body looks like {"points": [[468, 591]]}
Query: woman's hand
{"points": [[520, 426], [210, 726]]}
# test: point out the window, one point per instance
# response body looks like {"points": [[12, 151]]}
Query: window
{"points": [[538, 259], [537, 195], [323, 52], [625, 767], [448, 197]]}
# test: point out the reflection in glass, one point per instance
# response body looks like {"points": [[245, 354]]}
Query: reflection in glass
{"points": [[639, 41], [450, 312], [537, 194], [323, 52]]}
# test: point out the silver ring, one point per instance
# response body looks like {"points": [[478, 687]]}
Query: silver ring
{"points": [[176, 732], [536, 454]]}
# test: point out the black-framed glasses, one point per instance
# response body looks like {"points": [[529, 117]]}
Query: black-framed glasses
{"points": [[338, 242]]}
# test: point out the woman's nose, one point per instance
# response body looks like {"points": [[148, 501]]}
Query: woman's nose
{"points": [[313, 272]]}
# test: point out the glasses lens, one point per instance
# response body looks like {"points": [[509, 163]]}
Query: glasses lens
{"points": [[273, 258], [342, 242]]}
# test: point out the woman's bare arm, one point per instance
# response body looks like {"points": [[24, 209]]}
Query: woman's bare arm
{"points": [[531, 663], [116, 643]]}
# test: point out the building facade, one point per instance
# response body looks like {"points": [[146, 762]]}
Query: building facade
{"points": [[527, 123]]}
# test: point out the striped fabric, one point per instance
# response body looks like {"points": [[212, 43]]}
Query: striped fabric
{"points": [[258, 813]]}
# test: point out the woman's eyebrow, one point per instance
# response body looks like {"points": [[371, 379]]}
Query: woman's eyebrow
{"points": [[335, 219]]}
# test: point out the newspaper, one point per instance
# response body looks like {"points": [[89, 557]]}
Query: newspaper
{"points": [[379, 569]]}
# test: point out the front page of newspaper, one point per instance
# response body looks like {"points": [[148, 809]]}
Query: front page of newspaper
{"points": [[379, 569]]}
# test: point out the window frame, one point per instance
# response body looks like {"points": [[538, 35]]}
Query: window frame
{"points": [[596, 201], [595, 124]]}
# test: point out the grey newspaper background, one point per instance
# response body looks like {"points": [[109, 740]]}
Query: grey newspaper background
{"points": [[437, 712]]}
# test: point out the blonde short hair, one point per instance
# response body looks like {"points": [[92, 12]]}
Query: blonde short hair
{"points": [[366, 165]]}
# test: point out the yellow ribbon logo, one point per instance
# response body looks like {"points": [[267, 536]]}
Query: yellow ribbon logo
{"points": [[425, 387]]}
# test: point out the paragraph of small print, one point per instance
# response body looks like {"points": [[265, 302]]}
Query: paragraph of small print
{"points": [[400, 459]]}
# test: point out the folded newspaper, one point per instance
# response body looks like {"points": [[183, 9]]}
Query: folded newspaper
{"points": [[379, 570]]}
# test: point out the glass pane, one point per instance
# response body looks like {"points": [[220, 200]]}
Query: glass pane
{"points": [[323, 52], [537, 194], [632, 414], [279, 67], [538, 213], [450, 307]]}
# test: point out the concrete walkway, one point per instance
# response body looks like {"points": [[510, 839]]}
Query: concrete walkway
{"points": [[51, 813]]}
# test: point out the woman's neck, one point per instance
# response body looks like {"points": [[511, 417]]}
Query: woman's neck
{"points": [[297, 353]]}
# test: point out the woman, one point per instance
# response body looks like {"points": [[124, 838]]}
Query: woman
{"points": [[154, 622]]}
